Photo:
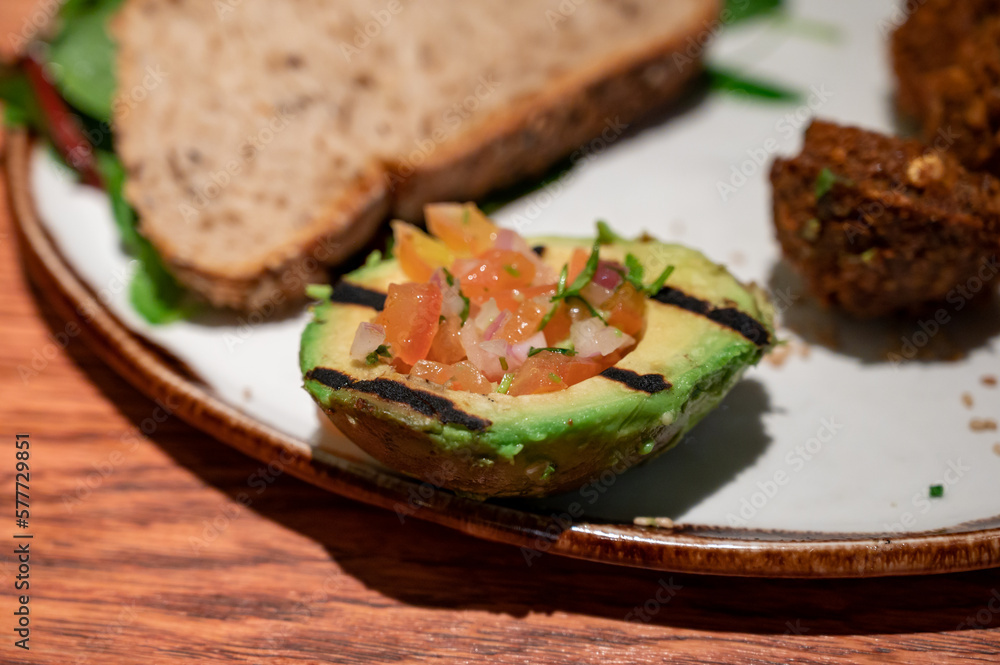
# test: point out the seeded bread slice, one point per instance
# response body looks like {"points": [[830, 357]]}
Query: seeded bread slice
{"points": [[267, 140]]}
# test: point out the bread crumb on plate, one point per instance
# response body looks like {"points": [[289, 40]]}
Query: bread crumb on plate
{"points": [[983, 425], [658, 522]]}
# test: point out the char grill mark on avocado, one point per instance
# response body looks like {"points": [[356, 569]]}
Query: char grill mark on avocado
{"points": [[647, 383], [345, 293], [426, 403], [729, 317]]}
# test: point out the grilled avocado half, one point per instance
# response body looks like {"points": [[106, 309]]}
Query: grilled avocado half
{"points": [[703, 330]]}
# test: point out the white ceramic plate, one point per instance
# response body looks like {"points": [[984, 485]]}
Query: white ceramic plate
{"points": [[834, 440]]}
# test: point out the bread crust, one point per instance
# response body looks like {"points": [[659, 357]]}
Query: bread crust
{"points": [[527, 139], [520, 141], [363, 207]]}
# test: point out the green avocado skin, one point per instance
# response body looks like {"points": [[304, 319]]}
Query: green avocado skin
{"points": [[544, 444]]}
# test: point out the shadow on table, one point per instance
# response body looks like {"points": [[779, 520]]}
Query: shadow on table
{"points": [[426, 565], [948, 331]]}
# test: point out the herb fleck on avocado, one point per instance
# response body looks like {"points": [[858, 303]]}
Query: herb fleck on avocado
{"points": [[381, 352], [635, 272]]}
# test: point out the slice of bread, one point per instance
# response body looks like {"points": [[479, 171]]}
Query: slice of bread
{"points": [[267, 140]]}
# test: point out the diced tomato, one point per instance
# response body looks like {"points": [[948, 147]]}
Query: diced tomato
{"points": [[463, 228], [466, 377], [627, 310], [438, 373], [411, 319], [447, 347], [523, 324], [577, 263], [500, 273], [419, 254], [537, 291], [568, 312], [548, 372], [461, 376]]}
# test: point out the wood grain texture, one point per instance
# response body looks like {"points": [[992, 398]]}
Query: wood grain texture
{"points": [[143, 552]]}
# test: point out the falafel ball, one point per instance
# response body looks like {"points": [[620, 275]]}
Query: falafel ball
{"points": [[878, 225]]}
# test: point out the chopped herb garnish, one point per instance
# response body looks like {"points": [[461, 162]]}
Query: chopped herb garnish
{"points": [[736, 83], [575, 290], [555, 377], [554, 349], [319, 291], [373, 259], [381, 352], [937, 491], [605, 235], [824, 182], [512, 271], [741, 10], [588, 272], [448, 277], [658, 283], [503, 363], [505, 383], [635, 272], [869, 255]]}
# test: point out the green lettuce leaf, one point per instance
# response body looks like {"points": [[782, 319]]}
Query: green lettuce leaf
{"points": [[154, 292], [82, 56]]}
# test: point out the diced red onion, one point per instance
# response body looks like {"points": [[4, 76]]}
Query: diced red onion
{"points": [[592, 338], [486, 362], [439, 279], [497, 347], [463, 267], [596, 294], [451, 299], [368, 338], [608, 275], [497, 323], [487, 314], [519, 352], [508, 239], [451, 302], [610, 339]]}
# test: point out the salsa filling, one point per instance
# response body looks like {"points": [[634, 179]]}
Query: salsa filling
{"points": [[483, 313]]}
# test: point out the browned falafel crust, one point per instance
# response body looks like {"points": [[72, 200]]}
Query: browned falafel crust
{"points": [[895, 228], [963, 103], [929, 40], [947, 62]]}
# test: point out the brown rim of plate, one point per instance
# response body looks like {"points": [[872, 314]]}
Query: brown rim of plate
{"points": [[692, 549]]}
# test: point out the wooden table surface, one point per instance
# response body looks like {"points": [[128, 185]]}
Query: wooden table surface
{"points": [[141, 553]]}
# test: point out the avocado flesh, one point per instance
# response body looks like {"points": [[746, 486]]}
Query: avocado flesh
{"points": [[535, 445]]}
